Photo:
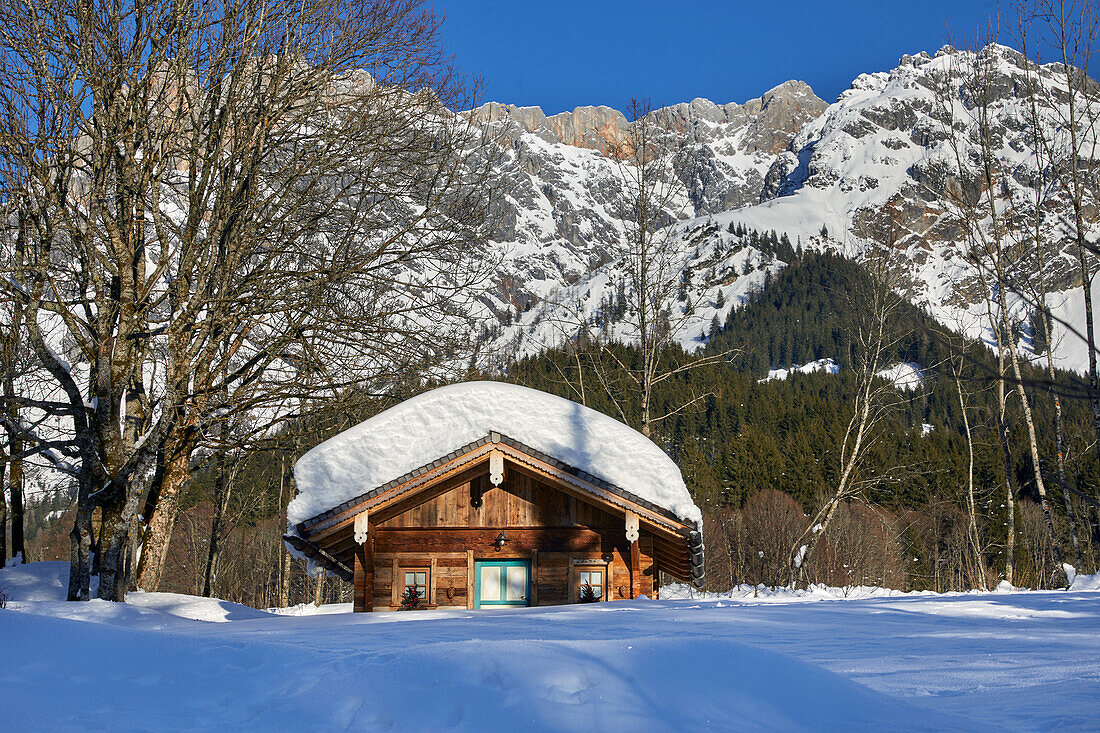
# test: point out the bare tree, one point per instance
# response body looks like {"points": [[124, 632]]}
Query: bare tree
{"points": [[958, 361], [13, 364], [651, 199], [1066, 30], [1043, 191], [873, 399], [226, 217]]}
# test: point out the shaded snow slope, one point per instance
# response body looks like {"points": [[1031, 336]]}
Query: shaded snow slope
{"points": [[428, 426], [1004, 661]]}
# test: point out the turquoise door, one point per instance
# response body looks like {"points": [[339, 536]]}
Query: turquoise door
{"points": [[501, 583]]}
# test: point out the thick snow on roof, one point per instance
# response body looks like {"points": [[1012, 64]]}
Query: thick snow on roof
{"points": [[431, 425]]}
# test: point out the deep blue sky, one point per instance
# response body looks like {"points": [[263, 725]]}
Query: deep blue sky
{"points": [[559, 54]]}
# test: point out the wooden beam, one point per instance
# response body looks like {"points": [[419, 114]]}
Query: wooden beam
{"points": [[360, 590], [326, 560], [470, 579], [679, 549], [534, 579], [635, 570], [337, 545], [521, 540], [368, 554], [431, 583], [363, 591]]}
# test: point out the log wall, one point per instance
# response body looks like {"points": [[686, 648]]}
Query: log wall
{"points": [[552, 529]]}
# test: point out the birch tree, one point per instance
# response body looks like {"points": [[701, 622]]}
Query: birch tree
{"points": [[984, 202], [874, 339], [1042, 197]]}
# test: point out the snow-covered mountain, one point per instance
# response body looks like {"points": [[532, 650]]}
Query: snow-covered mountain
{"points": [[872, 162], [555, 221]]}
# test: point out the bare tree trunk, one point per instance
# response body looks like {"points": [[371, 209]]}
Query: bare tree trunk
{"points": [[284, 588], [80, 545], [1033, 441], [161, 512], [282, 556], [3, 517], [1060, 446], [221, 498], [115, 541], [971, 504], [15, 488], [804, 548], [319, 590], [14, 449], [1003, 433]]}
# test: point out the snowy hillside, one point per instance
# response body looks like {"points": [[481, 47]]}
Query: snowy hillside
{"points": [[718, 272], [1001, 661], [877, 158]]}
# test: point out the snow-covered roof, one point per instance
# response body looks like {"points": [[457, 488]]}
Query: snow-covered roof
{"points": [[433, 424]]}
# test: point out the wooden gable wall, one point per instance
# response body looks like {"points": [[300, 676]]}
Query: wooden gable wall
{"points": [[553, 529]]}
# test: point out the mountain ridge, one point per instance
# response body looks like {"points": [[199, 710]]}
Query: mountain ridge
{"points": [[871, 160]]}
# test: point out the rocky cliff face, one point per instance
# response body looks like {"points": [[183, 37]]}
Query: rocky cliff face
{"points": [[556, 220]]}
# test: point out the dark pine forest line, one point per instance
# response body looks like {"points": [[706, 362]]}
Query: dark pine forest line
{"points": [[757, 455]]}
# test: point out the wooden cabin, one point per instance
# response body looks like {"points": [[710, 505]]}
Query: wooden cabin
{"points": [[495, 522]]}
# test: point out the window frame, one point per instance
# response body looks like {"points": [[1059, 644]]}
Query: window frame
{"points": [[412, 565], [425, 597], [503, 564], [588, 566]]}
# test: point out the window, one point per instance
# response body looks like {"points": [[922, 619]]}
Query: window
{"points": [[415, 579], [502, 583], [590, 584], [413, 575]]}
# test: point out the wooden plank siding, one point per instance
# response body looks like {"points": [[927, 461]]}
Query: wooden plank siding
{"points": [[544, 525]]}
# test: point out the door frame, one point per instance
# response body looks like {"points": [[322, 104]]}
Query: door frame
{"points": [[511, 562]]}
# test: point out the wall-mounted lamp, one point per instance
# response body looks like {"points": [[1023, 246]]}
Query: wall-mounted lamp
{"points": [[500, 541]]}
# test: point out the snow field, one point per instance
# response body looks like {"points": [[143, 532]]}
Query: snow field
{"points": [[976, 661]]}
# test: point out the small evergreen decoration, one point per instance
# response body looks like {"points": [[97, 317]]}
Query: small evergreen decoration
{"points": [[587, 594], [410, 599]]}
